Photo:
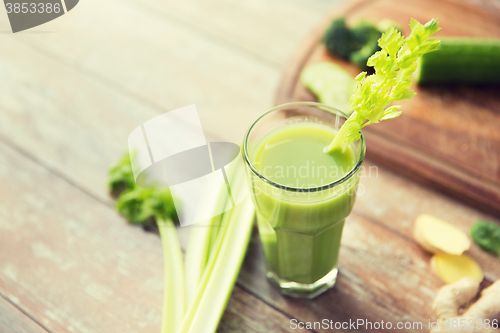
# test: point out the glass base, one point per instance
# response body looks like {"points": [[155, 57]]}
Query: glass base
{"points": [[304, 290]]}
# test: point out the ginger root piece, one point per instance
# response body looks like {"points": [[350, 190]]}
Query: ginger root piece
{"points": [[452, 268], [438, 236], [452, 298]]}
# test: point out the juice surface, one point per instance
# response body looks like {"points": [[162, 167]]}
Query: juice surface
{"points": [[294, 156], [301, 230]]}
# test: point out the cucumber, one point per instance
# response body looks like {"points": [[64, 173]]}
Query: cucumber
{"points": [[461, 60], [331, 84]]}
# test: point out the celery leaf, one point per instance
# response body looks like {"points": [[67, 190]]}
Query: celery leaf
{"points": [[394, 65]]}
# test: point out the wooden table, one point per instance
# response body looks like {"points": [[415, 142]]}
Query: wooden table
{"points": [[72, 91]]}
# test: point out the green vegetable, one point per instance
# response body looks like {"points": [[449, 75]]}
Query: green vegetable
{"points": [[461, 60], [224, 263], [141, 206], [202, 236], [136, 204], [221, 282], [196, 293], [364, 31], [356, 44], [121, 177], [174, 296], [391, 82], [361, 56], [338, 39], [487, 235], [366, 36], [331, 84]]}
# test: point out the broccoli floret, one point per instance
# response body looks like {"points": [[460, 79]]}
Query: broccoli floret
{"points": [[366, 35], [360, 57], [338, 39], [139, 205], [364, 32], [356, 44]]}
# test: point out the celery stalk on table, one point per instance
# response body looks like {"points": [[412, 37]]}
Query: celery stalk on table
{"points": [[236, 224], [200, 238], [225, 272], [174, 302], [139, 206], [214, 256]]}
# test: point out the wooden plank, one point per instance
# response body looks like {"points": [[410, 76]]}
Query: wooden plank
{"points": [[452, 130], [42, 134], [395, 202], [74, 265], [382, 277], [264, 29], [41, 137], [69, 122], [248, 314], [94, 257], [14, 321], [156, 62], [492, 6]]}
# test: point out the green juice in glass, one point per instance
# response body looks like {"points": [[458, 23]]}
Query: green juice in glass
{"points": [[300, 208]]}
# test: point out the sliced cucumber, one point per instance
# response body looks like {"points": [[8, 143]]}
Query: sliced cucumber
{"points": [[331, 84], [461, 60]]}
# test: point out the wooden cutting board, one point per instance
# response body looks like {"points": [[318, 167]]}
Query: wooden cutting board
{"points": [[448, 137]]}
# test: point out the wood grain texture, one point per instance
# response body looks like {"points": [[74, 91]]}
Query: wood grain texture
{"points": [[447, 137], [395, 202], [69, 102], [264, 29], [98, 122], [249, 314], [174, 67], [382, 277], [384, 274], [12, 320], [73, 264]]}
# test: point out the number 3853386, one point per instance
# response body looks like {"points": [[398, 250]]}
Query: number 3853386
{"points": [[33, 8]]}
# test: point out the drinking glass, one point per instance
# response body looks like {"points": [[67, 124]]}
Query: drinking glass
{"points": [[300, 228]]}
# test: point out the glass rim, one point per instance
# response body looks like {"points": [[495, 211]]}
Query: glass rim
{"points": [[304, 189]]}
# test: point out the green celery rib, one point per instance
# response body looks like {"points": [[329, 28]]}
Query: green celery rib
{"points": [[224, 275], [200, 236], [214, 232], [174, 301], [223, 265], [217, 226], [207, 272]]}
